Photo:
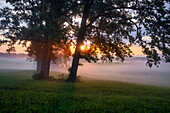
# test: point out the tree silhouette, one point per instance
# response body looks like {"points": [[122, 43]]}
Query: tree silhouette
{"points": [[114, 25], [42, 23]]}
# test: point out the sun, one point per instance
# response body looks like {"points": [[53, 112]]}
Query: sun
{"points": [[82, 47]]}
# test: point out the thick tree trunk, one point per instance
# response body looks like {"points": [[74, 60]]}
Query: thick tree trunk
{"points": [[73, 71], [43, 63], [45, 67], [39, 64]]}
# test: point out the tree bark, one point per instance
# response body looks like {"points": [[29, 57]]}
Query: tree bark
{"points": [[80, 38], [43, 62], [45, 67], [39, 64], [73, 71]]}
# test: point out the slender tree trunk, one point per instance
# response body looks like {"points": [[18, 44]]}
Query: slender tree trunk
{"points": [[73, 71]]}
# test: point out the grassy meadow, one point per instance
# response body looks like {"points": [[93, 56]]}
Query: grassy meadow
{"points": [[20, 93]]}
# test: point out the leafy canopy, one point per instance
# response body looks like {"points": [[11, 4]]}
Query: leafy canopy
{"points": [[115, 25]]}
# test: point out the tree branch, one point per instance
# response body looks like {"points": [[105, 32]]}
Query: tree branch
{"points": [[71, 7]]}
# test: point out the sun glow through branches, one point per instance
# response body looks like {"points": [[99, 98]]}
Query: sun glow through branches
{"points": [[82, 47]]}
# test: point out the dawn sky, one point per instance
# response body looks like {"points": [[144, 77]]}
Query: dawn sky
{"points": [[19, 49]]}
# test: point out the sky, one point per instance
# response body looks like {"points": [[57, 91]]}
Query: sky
{"points": [[19, 49]]}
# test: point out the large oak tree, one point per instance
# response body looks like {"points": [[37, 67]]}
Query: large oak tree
{"points": [[111, 25], [114, 25], [40, 22]]}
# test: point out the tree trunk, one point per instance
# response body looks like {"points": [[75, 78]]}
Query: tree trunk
{"points": [[45, 67], [39, 64], [73, 72], [43, 62], [80, 38]]}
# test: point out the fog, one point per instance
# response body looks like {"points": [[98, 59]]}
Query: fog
{"points": [[16, 64], [134, 72], [129, 71]]}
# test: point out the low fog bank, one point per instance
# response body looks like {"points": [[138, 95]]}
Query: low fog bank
{"points": [[16, 64], [24, 64], [128, 71]]}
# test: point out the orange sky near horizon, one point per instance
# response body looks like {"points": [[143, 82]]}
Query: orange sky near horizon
{"points": [[19, 49]]}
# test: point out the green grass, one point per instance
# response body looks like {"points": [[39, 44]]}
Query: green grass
{"points": [[19, 93]]}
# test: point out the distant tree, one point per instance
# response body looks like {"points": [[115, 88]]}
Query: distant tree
{"points": [[114, 25], [42, 23]]}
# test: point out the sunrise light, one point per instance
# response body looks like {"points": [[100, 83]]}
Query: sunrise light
{"points": [[84, 56], [82, 47]]}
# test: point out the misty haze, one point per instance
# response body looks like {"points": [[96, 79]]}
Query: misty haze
{"points": [[133, 71], [51, 42]]}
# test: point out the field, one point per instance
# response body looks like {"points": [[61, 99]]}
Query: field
{"points": [[19, 93]]}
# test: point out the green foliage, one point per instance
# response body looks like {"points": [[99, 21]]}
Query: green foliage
{"points": [[111, 25], [40, 22], [114, 25], [19, 93]]}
